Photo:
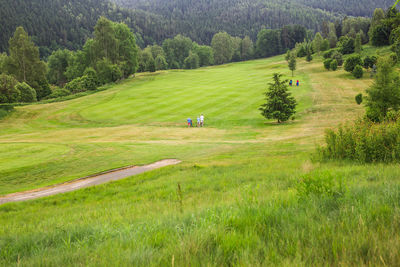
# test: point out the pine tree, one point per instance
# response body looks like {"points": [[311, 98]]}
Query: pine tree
{"points": [[309, 54], [357, 44], [280, 104], [384, 94], [292, 63], [317, 42]]}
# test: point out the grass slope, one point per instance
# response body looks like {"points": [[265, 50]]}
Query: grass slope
{"points": [[240, 201]]}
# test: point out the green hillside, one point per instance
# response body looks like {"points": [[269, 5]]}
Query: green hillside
{"points": [[240, 201]]}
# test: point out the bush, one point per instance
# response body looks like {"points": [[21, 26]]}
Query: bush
{"points": [[319, 184], [7, 107], [28, 94], [393, 57], [358, 72], [364, 141], [334, 65], [8, 91], [328, 54], [359, 99], [92, 74], [351, 62], [81, 84], [116, 74], [59, 92], [327, 63], [338, 57]]}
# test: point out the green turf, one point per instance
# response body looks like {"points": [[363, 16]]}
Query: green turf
{"points": [[240, 201]]}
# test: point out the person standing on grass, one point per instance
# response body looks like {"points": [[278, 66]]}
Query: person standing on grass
{"points": [[198, 121], [297, 83], [290, 82], [201, 120], [189, 121]]}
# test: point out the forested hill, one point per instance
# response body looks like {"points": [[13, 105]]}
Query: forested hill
{"points": [[60, 23], [202, 18]]}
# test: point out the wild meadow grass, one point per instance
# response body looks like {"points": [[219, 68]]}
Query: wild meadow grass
{"points": [[246, 193]]}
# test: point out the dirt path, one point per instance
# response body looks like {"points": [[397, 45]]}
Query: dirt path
{"points": [[86, 181]]}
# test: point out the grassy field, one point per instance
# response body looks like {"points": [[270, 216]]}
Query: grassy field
{"points": [[241, 200]]}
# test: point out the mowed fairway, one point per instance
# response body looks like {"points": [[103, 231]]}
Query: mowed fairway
{"points": [[139, 121], [232, 201]]}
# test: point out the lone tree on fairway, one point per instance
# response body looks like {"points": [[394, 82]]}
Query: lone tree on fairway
{"points": [[292, 63], [280, 104]]}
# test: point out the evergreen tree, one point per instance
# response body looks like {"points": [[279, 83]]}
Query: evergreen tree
{"points": [[332, 37], [309, 53], [317, 42], [292, 63], [384, 94], [325, 45], [351, 62], [280, 104], [358, 72], [357, 44]]}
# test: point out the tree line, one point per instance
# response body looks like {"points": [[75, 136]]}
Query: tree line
{"points": [[109, 56]]}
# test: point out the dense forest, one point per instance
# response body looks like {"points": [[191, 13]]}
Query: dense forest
{"points": [[68, 24], [201, 19]]}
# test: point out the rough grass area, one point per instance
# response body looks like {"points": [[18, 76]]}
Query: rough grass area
{"points": [[248, 193]]}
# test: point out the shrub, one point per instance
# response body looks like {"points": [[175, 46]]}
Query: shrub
{"points": [[338, 57], [334, 65], [393, 57], [319, 184], [8, 91], [59, 92], [92, 74], [81, 84], [351, 62], [327, 63], [28, 94], [328, 54], [364, 141], [5, 109], [116, 74], [358, 72], [359, 99]]}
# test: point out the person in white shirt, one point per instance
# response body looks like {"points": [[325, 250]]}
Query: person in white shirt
{"points": [[201, 120]]}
